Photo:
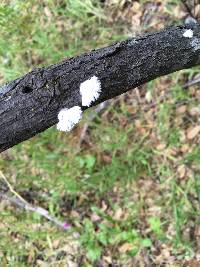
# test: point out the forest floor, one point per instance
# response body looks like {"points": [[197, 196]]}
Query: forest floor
{"points": [[129, 186]]}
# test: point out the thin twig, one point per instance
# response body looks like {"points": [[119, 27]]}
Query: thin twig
{"points": [[192, 82], [11, 189], [90, 118], [21, 202]]}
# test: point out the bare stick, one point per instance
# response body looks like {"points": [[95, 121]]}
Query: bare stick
{"points": [[31, 104], [90, 118], [192, 82], [21, 202]]}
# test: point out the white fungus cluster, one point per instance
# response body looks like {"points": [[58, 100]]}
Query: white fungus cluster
{"points": [[195, 41], [196, 44], [68, 118], [188, 33], [89, 91]]}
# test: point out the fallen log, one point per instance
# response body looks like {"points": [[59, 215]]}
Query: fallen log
{"points": [[31, 103]]}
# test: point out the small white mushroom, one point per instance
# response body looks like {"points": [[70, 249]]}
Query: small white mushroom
{"points": [[90, 90], [188, 33], [68, 118]]}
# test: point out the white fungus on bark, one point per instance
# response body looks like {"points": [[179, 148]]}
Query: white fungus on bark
{"points": [[188, 33], [68, 118], [196, 44], [90, 90]]}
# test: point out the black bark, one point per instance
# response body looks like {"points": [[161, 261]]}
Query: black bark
{"points": [[30, 104]]}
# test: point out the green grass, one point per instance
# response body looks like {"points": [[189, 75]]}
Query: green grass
{"points": [[122, 191], [35, 33]]}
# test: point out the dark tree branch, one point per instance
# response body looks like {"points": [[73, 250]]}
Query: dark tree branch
{"points": [[30, 104]]}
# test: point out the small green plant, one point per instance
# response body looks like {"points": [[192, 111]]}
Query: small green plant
{"points": [[193, 156], [97, 237], [156, 227]]}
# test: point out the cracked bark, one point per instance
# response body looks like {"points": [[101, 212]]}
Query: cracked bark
{"points": [[30, 104]]}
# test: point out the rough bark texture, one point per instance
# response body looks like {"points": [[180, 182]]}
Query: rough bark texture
{"points": [[30, 104]]}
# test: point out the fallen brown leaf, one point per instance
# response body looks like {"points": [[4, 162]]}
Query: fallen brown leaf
{"points": [[125, 248], [192, 132], [181, 171]]}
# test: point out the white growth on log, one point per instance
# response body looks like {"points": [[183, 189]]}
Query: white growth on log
{"points": [[196, 44], [68, 118], [90, 91], [188, 33]]}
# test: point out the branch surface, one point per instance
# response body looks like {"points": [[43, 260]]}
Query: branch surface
{"points": [[31, 103]]}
